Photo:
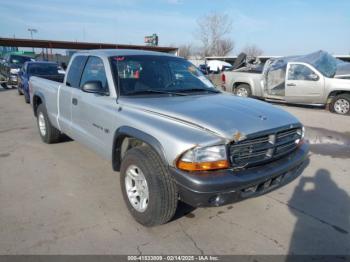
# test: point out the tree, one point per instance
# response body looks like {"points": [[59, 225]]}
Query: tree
{"points": [[212, 32], [185, 51], [252, 50], [225, 46]]}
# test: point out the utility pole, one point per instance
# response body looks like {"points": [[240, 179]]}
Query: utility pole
{"points": [[32, 30]]}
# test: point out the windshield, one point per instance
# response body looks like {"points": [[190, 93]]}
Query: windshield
{"points": [[143, 74], [17, 59], [42, 69]]}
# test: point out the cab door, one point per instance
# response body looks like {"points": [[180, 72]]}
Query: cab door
{"points": [[92, 118], [65, 94], [303, 84]]}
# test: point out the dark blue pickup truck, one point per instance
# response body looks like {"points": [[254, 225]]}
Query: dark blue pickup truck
{"points": [[48, 70]]}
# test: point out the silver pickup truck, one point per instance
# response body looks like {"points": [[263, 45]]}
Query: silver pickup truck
{"points": [[312, 79], [168, 131]]}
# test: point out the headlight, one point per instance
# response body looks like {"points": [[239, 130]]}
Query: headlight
{"points": [[301, 134], [14, 71], [204, 158]]}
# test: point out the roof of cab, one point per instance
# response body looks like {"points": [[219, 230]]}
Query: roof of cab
{"points": [[121, 52], [41, 62]]}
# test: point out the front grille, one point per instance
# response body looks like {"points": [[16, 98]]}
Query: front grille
{"points": [[265, 148]]}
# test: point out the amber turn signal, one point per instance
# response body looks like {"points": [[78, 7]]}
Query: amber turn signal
{"points": [[202, 166]]}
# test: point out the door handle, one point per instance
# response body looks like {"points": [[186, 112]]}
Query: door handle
{"points": [[291, 84], [74, 101]]}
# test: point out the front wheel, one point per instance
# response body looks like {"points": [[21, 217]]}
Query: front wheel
{"points": [[48, 133], [341, 104], [243, 90], [148, 189]]}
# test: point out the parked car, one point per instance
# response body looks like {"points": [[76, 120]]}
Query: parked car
{"points": [[168, 131], [9, 68], [204, 69], [310, 79], [48, 70], [216, 66]]}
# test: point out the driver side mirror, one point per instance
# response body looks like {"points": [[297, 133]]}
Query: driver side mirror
{"points": [[94, 87], [314, 77]]}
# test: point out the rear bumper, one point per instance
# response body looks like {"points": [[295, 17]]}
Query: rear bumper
{"points": [[222, 187]]}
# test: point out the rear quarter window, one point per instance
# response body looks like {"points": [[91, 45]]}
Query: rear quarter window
{"points": [[75, 71]]}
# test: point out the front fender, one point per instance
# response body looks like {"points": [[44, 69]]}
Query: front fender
{"points": [[127, 131]]}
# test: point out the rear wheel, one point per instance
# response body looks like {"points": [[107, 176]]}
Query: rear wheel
{"points": [[341, 104], [4, 85], [48, 133], [148, 189], [19, 91], [243, 90], [26, 99]]}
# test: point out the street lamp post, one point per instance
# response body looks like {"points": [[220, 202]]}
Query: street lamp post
{"points": [[32, 30]]}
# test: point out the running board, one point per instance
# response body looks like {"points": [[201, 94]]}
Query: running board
{"points": [[289, 103]]}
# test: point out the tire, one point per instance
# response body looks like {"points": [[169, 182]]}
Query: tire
{"points": [[4, 85], [49, 134], [19, 91], [243, 90], [162, 192], [26, 99], [340, 104]]}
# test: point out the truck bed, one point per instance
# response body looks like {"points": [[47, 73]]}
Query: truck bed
{"points": [[49, 89], [244, 76], [256, 70], [57, 78]]}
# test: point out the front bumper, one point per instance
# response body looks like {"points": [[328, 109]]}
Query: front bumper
{"points": [[13, 80], [216, 188]]}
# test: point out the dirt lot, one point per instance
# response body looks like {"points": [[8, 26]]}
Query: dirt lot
{"points": [[64, 199]]}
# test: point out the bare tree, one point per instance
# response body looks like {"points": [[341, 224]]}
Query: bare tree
{"points": [[252, 50], [212, 32], [185, 51], [225, 46]]}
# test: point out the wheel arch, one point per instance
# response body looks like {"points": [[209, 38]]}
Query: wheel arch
{"points": [[332, 99], [238, 83], [335, 93], [38, 98], [127, 132]]}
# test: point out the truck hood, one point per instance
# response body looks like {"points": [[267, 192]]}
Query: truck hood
{"points": [[222, 114]]}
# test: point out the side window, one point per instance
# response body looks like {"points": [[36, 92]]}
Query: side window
{"points": [[95, 71], [301, 72], [74, 73]]}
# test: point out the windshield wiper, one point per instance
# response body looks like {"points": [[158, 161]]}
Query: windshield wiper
{"points": [[200, 90], [153, 91]]}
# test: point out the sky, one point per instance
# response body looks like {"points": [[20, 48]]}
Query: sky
{"points": [[278, 27]]}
